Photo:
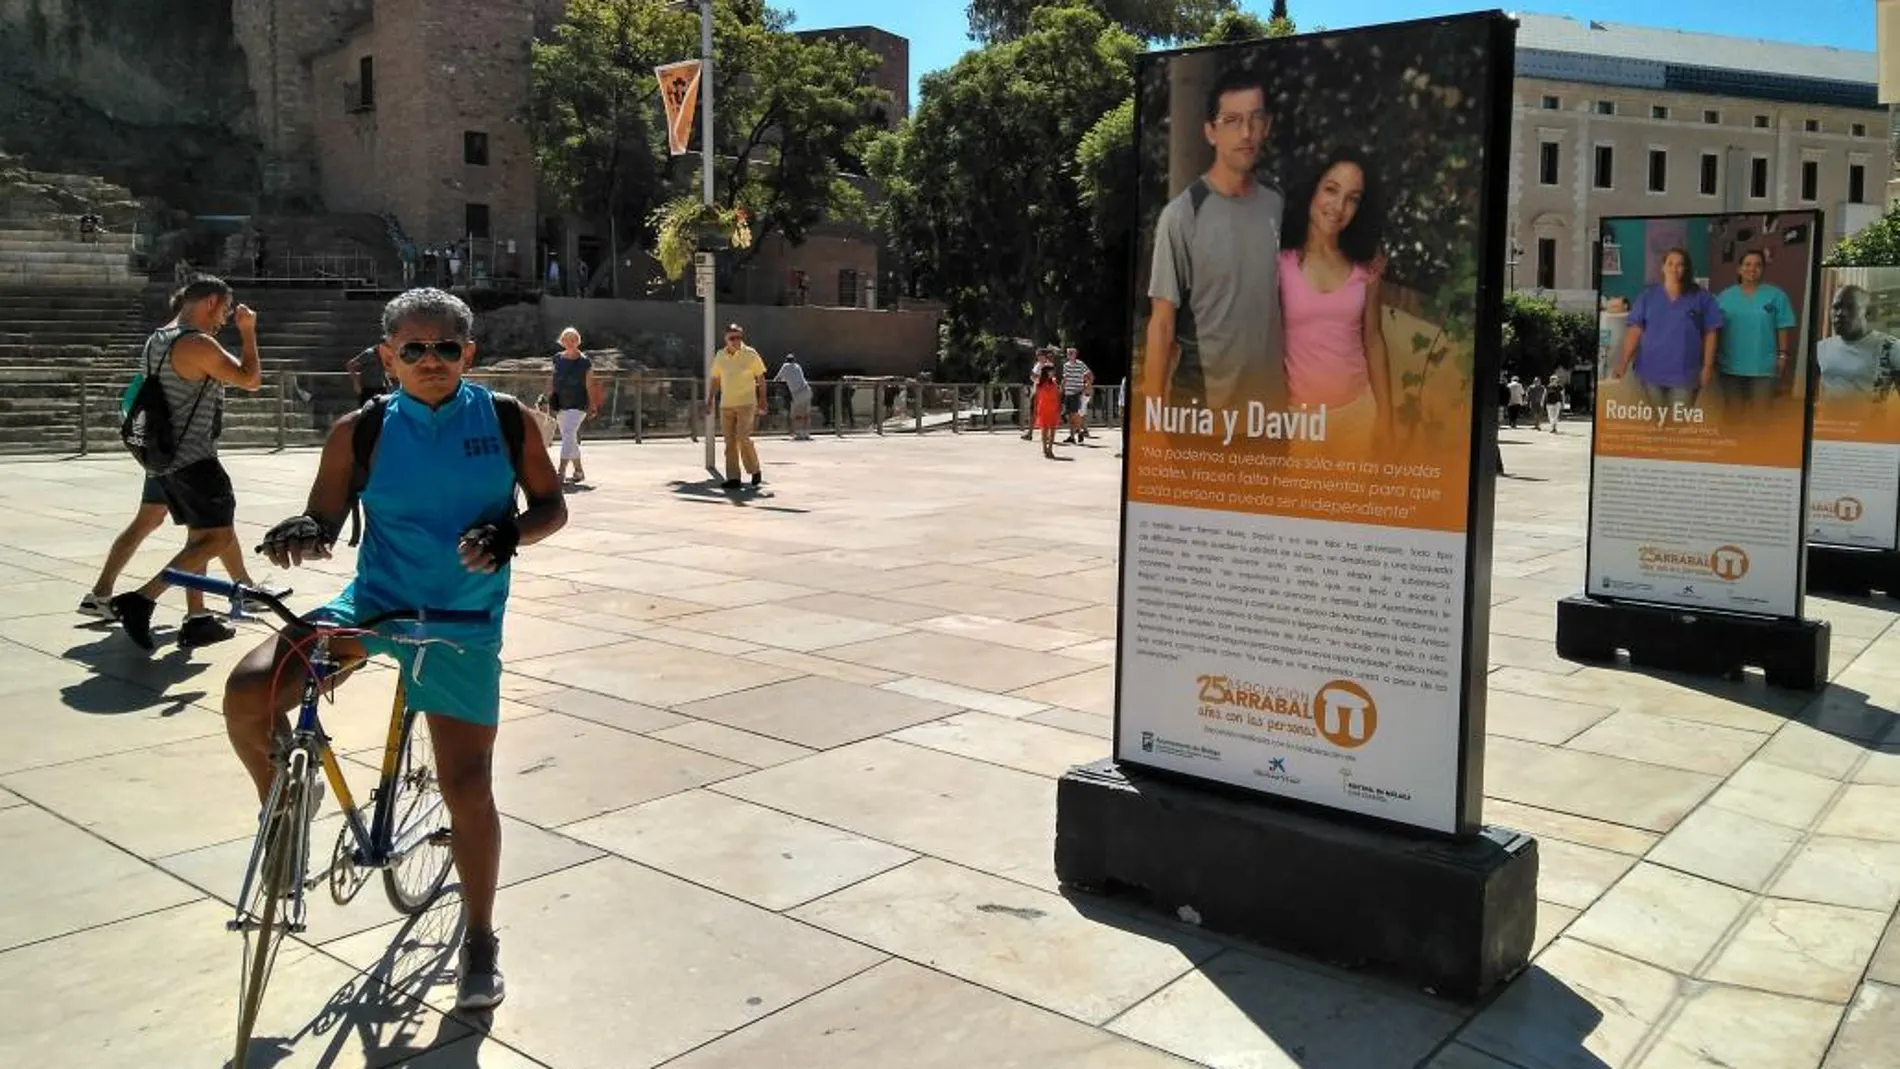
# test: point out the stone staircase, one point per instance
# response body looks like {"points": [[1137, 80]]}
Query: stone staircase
{"points": [[50, 253]]}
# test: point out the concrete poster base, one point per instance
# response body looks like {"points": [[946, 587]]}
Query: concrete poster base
{"points": [[1791, 653], [1453, 917], [1855, 572]]}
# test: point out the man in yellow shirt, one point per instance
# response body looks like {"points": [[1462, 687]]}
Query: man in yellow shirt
{"points": [[738, 395]]}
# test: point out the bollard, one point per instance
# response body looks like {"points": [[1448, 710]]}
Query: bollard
{"points": [[699, 413], [639, 415], [283, 401], [837, 409], [613, 406], [917, 406]]}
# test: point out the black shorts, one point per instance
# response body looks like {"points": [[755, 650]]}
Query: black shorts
{"points": [[200, 495], [1071, 404], [153, 492]]}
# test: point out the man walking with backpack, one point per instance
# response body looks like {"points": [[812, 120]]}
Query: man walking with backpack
{"points": [[171, 430]]}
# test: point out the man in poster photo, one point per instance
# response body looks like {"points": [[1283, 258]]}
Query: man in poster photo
{"points": [[1856, 362], [1213, 327]]}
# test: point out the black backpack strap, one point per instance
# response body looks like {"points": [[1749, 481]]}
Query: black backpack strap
{"points": [[363, 435], [513, 430], [1198, 192]]}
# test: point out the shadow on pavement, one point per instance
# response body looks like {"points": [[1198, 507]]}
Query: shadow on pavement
{"points": [[712, 492], [128, 679], [386, 1008], [1537, 1010]]}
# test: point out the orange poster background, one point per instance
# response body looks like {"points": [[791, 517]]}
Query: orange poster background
{"points": [[1770, 440], [1417, 476]]}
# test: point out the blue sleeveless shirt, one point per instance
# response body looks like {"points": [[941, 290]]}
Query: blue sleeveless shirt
{"points": [[435, 473]]}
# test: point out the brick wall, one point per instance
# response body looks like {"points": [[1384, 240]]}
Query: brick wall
{"points": [[442, 69]]}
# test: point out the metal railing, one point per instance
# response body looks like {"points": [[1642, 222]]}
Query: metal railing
{"points": [[76, 409]]}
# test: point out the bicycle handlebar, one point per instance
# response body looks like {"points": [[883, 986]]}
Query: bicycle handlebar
{"points": [[224, 588]]}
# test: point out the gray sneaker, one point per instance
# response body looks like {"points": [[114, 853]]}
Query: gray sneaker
{"points": [[480, 987]]}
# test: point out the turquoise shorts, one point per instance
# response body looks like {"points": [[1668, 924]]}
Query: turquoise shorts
{"points": [[461, 682]]}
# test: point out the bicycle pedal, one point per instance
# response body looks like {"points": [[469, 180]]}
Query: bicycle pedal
{"points": [[441, 837]]}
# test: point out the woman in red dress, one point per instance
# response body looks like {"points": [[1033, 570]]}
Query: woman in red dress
{"points": [[1048, 408]]}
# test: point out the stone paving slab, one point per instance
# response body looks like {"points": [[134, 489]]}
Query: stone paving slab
{"points": [[778, 781]]}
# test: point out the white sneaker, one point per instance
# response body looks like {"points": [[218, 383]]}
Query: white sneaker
{"points": [[97, 607]]}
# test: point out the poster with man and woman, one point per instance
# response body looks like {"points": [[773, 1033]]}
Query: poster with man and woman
{"points": [[1698, 462], [1306, 512]]}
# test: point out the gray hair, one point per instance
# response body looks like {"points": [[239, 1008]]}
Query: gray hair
{"points": [[427, 302]]}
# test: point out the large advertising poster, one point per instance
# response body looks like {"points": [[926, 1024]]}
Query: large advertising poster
{"points": [[1696, 486], [1306, 503], [1855, 476]]}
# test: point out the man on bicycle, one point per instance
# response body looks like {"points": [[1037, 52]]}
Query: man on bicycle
{"points": [[440, 528]]}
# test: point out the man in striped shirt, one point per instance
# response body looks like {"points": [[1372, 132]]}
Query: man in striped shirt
{"points": [[1077, 381]]}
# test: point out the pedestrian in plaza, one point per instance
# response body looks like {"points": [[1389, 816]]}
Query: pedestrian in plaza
{"points": [[1026, 412], [153, 508], [1514, 406], [576, 397], [1554, 399], [1049, 408], [1077, 382], [793, 376], [737, 394], [368, 379], [1534, 397], [193, 370]]}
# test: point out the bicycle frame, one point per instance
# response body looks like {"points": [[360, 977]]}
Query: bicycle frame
{"points": [[374, 847]]}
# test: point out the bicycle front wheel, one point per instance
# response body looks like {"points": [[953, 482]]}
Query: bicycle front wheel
{"points": [[264, 920], [419, 823]]}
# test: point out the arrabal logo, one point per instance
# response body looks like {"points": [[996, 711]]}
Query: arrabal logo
{"points": [[1729, 563], [1844, 509], [1345, 714]]}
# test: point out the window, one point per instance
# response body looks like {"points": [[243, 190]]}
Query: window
{"points": [[1552, 103], [1856, 183], [1605, 177], [1712, 117], [1657, 111], [847, 288], [1547, 163], [1546, 263], [475, 220], [1758, 178], [1606, 107], [1858, 129], [1812, 126], [1658, 170], [475, 148], [1761, 122], [1711, 173], [366, 81], [1810, 179]]}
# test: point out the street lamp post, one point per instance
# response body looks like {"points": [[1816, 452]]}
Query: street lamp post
{"points": [[706, 197], [1511, 262]]}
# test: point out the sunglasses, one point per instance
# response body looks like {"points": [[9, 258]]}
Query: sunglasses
{"points": [[449, 352]]}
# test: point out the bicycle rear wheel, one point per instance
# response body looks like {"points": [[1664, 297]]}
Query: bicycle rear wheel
{"points": [[419, 823], [270, 886]]}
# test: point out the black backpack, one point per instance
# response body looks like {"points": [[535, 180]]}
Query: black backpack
{"points": [[147, 428], [369, 428]]}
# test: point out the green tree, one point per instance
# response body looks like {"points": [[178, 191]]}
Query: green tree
{"points": [[594, 111], [1875, 245], [788, 114], [1540, 338], [992, 21], [980, 189]]}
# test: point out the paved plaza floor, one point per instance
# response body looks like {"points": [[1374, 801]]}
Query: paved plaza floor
{"points": [[778, 782]]}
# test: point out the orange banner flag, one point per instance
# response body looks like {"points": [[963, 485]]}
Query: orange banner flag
{"points": [[679, 90]]}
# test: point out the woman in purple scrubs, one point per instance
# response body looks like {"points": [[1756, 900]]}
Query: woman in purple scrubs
{"points": [[1673, 328]]}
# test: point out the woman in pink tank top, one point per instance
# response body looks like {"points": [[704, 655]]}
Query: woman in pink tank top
{"points": [[1330, 268]]}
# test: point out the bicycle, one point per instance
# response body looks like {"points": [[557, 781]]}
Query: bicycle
{"points": [[404, 835]]}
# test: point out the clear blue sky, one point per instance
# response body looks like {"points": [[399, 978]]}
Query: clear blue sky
{"points": [[938, 30]]}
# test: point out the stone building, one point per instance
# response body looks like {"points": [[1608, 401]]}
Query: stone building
{"points": [[1622, 120]]}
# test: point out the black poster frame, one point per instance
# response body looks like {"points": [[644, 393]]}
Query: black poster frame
{"points": [[1487, 345]]}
